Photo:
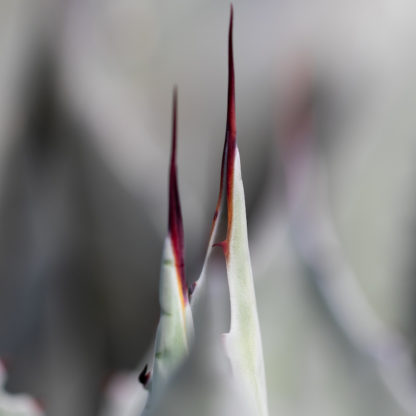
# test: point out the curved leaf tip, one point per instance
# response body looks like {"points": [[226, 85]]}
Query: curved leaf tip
{"points": [[231, 132], [175, 213], [243, 342]]}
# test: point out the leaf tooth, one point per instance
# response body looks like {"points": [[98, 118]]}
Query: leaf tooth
{"points": [[175, 329], [223, 245], [175, 212], [231, 124], [231, 131]]}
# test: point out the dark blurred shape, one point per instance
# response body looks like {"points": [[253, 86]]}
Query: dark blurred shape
{"points": [[79, 259]]}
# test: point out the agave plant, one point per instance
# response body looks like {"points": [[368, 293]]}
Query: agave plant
{"points": [[242, 344]]}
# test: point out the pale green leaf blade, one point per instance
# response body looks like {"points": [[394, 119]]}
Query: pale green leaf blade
{"points": [[243, 342]]}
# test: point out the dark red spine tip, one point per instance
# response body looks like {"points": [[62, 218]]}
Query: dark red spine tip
{"points": [[230, 143], [175, 213], [231, 129], [231, 123]]}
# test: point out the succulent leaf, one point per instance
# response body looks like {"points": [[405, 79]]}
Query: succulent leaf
{"points": [[243, 342]]}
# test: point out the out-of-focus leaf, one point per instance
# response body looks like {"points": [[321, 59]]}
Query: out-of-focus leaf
{"points": [[16, 405]]}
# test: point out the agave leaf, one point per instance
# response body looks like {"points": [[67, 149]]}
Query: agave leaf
{"points": [[243, 342], [175, 327]]}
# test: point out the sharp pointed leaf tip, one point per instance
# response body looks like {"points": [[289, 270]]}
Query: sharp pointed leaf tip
{"points": [[175, 213], [231, 129], [230, 133], [231, 124], [230, 144]]}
